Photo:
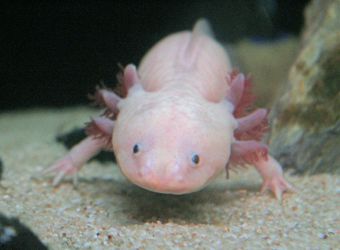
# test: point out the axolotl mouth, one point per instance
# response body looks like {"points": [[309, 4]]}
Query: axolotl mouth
{"points": [[165, 185], [159, 186]]}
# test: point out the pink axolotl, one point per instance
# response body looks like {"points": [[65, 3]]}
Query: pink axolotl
{"points": [[184, 120]]}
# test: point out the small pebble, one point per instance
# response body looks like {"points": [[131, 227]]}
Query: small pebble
{"points": [[323, 236]]}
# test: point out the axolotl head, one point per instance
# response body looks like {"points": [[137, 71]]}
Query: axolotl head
{"points": [[171, 143]]}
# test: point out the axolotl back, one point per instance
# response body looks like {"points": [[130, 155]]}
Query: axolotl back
{"points": [[183, 120]]}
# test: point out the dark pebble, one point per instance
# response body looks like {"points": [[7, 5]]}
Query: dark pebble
{"points": [[14, 235]]}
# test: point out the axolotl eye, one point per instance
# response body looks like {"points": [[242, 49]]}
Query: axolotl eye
{"points": [[195, 159], [136, 148]]}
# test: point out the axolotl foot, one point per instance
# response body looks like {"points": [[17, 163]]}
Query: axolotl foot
{"points": [[278, 185], [61, 168], [273, 179]]}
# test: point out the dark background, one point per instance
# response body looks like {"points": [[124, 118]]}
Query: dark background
{"points": [[54, 52]]}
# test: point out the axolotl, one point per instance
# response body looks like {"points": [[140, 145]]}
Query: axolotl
{"points": [[185, 116]]}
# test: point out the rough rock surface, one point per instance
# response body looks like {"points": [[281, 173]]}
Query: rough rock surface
{"points": [[305, 130]]}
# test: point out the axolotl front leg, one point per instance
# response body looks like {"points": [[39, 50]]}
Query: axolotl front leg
{"points": [[247, 147], [73, 161], [256, 153], [100, 130]]}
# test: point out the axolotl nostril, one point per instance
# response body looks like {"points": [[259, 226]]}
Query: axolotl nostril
{"points": [[183, 120]]}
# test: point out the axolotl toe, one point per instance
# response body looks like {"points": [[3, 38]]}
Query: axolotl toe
{"points": [[182, 120]]}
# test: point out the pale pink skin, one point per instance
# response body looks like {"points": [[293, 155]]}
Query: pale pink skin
{"points": [[179, 104]]}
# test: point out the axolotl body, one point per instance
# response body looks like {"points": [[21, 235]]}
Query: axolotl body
{"points": [[183, 120]]}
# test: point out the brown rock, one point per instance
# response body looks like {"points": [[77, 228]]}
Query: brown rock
{"points": [[306, 124]]}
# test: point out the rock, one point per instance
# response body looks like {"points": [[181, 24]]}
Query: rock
{"points": [[1, 168], [306, 125]]}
